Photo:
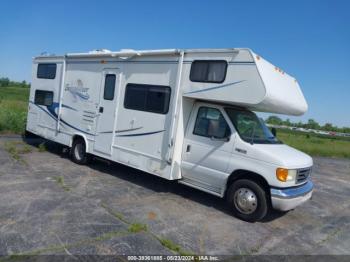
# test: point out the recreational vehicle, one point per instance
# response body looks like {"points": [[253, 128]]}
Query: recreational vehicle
{"points": [[185, 115]]}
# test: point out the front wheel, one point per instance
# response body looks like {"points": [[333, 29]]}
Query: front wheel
{"points": [[247, 200], [78, 152]]}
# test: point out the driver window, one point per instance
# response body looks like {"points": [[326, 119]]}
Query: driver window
{"points": [[211, 123]]}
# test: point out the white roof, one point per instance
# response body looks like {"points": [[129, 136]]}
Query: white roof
{"points": [[252, 82], [132, 52]]}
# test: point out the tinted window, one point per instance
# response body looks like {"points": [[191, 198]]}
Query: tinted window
{"points": [[44, 98], [208, 71], [211, 123], [150, 98], [46, 71], [109, 87]]}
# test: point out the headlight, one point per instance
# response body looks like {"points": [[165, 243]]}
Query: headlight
{"points": [[285, 175]]}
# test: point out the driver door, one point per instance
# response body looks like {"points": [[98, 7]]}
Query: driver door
{"points": [[207, 148]]}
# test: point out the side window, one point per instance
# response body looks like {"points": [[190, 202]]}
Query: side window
{"points": [[211, 123], [44, 98], [46, 71], [208, 71], [109, 87], [149, 98]]}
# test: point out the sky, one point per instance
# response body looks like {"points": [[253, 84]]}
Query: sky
{"points": [[310, 40]]}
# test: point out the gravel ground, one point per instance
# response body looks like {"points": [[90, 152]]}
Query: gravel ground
{"points": [[49, 205]]}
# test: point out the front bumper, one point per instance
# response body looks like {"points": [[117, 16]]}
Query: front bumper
{"points": [[288, 198]]}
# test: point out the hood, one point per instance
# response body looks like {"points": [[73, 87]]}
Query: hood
{"points": [[282, 155]]}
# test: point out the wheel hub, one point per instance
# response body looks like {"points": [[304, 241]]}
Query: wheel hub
{"points": [[245, 200]]}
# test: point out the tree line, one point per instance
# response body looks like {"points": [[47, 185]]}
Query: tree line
{"points": [[4, 81], [311, 124]]}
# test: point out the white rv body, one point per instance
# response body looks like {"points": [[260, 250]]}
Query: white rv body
{"points": [[158, 142]]}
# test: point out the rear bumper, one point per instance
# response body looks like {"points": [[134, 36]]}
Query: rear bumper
{"points": [[288, 198]]}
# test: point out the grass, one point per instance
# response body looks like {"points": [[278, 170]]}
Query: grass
{"points": [[12, 150], [316, 145], [60, 182], [57, 248], [117, 215], [133, 227], [173, 247], [13, 109], [42, 147], [137, 227], [16, 149], [170, 244]]}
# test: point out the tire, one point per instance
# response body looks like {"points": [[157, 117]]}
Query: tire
{"points": [[247, 200], [78, 152], [28, 134]]}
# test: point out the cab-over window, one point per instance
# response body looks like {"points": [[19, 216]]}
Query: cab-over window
{"points": [[208, 71]]}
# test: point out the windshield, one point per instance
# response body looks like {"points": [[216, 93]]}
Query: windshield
{"points": [[250, 128]]}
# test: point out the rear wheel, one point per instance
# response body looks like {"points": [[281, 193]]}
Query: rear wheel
{"points": [[247, 200], [78, 152], [28, 134]]}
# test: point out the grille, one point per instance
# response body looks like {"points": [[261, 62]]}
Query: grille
{"points": [[303, 174]]}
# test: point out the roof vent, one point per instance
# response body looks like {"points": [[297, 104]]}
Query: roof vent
{"points": [[46, 54], [100, 51]]}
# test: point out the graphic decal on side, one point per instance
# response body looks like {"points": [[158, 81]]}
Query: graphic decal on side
{"points": [[142, 134], [51, 111], [214, 87], [78, 90], [132, 129], [121, 131]]}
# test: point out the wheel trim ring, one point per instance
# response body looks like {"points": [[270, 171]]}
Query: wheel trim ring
{"points": [[245, 201], [78, 152]]}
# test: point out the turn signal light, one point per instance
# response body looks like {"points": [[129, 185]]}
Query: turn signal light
{"points": [[285, 175], [282, 174]]}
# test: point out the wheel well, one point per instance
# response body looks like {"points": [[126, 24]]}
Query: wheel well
{"points": [[245, 174], [77, 137]]}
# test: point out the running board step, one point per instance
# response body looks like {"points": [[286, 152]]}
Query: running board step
{"points": [[201, 186]]}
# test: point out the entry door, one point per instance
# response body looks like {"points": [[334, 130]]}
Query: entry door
{"points": [[207, 149], [107, 111]]}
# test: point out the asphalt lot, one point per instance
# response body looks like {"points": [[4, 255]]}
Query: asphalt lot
{"points": [[49, 205]]}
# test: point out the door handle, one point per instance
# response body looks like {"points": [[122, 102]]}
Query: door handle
{"points": [[100, 110], [188, 148]]}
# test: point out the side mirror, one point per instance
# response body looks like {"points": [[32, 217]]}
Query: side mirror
{"points": [[274, 131]]}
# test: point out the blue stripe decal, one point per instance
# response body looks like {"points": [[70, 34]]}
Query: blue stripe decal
{"points": [[51, 112], [52, 109], [63, 105], [54, 118], [214, 87], [82, 96], [57, 104], [121, 131], [64, 122], [142, 134]]}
